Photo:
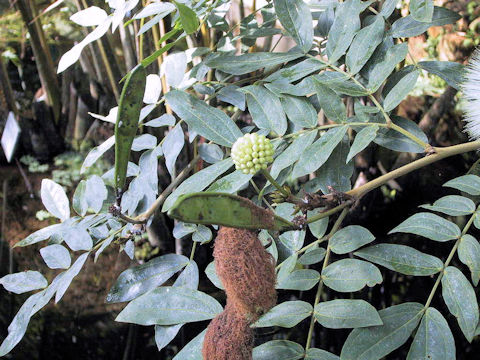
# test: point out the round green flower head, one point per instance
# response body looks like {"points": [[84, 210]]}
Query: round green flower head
{"points": [[252, 152]]}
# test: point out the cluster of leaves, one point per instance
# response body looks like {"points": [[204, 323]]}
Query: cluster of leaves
{"points": [[284, 93]]}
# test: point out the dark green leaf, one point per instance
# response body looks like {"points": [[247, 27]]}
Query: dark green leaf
{"points": [[348, 275], [400, 90], [341, 314], [330, 102], [232, 95], [297, 71], [204, 119], [363, 138], [188, 18], [388, 7], [340, 83], [452, 72], [246, 63], [364, 44], [155, 307], [138, 280], [461, 300], [278, 350], [296, 18], [428, 225], [287, 314], [422, 10], [434, 339], [396, 141], [453, 205], [403, 259], [373, 343], [300, 111], [350, 239], [469, 254]]}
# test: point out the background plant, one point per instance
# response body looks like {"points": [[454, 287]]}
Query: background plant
{"points": [[321, 103]]}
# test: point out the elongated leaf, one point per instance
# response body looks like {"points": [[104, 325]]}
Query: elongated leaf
{"points": [[266, 109], [304, 279], [373, 343], [341, 314], [211, 208], [434, 339], [318, 153], [330, 102], [453, 73], [292, 153], [469, 254], [188, 18], [466, 183], [79, 201], [388, 7], [95, 193], [396, 141], [155, 307], [296, 18], [318, 354], [363, 138], [138, 280], [403, 259], [300, 111], [246, 63], [350, 239], [24, 281], [205, 120], [400, 90], [96, 153], [364, 44], [67, 277], [348, 275], [56, 256], [165, 334], [55, 199], [172, 146], [407, 26], [278, 350], [198, 181], [231, 183], [344, 27], [422, 10], [453, 205], [40, 235], [461, 300], [297, 71], [212, 275], [232, 95], [340, 83], [193, 350], [287, 314], [428, 225]]}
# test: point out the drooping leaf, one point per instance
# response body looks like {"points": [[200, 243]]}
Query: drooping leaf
{"points": [[96, 153], [232, 95], [428, 225], [266, 109], [40, 235], [91, 16], [165, 334], [55, 199], [138, 280], [452, 72], [174, 67], [453, 205], [350, 239], [469, 254], [23, 282], [330, 102], [155, 307], [364, 44], [403, 259], [318, 153], [375, 342], [434, 339], [67, 277], [278, 350], [341, 314], [363, 138], [246, 63], [287, 314], [79, 201], [126, 125], [204, 119], [198, 181], [396, 141], [56, 256], [466, 183], [296, 18], [460, 298], [349, 275], [211, 208], [400, 90]]}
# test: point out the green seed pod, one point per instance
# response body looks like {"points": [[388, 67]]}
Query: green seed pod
{"points": [[251, 153]]}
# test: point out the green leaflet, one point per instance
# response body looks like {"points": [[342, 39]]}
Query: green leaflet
{"points": [[363, 138], [126, 125], [341, 314], [349, 275], [400, 90], [469, 254], [449, 71], [278, 350], [453, 205], [422, 10], [287, 314], [296, 18], [188, 18]]}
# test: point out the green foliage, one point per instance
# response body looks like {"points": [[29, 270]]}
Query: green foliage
{"points": [[351, 73]]}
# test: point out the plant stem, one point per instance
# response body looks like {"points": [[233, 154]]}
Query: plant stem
{"points": [[274, 183], [449, 259], [335, 228], [192, 253]]}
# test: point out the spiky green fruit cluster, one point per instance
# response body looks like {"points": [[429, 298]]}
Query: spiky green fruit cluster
{"points": [[251, 153]]}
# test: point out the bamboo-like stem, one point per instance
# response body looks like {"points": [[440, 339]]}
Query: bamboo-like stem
{"points": [[335, 228], [449, 259]]}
